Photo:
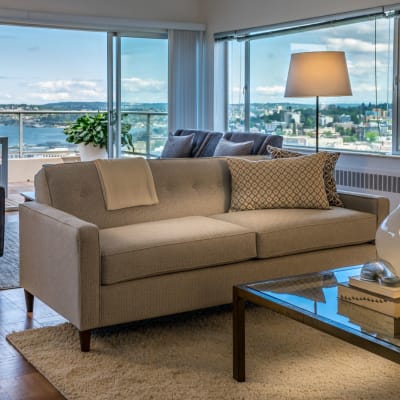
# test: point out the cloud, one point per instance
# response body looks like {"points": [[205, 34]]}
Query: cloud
{"points": [[33, 48], [275, 90], [367, 88], [66, 90], [56, 86], [303, 47], [355, 45], [137, 85], [134, 90], [7, 96], [50, 97], [364, 28], [365, 69]]}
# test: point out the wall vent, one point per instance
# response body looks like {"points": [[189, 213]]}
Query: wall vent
{"points": [[366, 180]]}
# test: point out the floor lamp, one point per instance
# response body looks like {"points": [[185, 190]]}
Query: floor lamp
{"points": [[318, 73]]}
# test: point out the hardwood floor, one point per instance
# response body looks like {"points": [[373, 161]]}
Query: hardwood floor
{"points": [[19, 380]]}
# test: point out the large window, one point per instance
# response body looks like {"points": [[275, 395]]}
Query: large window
{"points": [[361, 122], [144, 91], [49, 77], [53, 76]]}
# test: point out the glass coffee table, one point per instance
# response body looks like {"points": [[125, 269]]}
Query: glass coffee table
{"points": [[313, 300]]}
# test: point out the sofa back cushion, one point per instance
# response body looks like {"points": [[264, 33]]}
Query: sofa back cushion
{"points": [[261, 140], [184, 187]]}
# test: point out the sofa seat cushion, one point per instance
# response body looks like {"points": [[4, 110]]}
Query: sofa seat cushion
{"points": [[159, 247], [289, 231]]}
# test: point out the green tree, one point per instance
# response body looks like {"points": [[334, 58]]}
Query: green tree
{"points": [[340, 130], [371, 137]]}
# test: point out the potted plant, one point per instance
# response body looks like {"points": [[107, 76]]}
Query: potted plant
{"points": [[90, 133]]}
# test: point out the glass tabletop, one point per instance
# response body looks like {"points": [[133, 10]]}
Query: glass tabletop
{"points": [[317, 294]]}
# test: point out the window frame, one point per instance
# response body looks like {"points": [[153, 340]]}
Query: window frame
{"points": [[247, 35]]}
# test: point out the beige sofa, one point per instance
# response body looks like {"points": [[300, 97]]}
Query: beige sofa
{"points": [[98, 268]]}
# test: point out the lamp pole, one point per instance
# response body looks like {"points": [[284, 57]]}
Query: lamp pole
{"points": [[316, 124]]}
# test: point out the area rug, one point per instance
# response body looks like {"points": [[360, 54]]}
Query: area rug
{"points": [[9, 262], [190, 357], [11, 205]]}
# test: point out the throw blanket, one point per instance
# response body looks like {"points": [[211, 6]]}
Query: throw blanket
{"points": [[126, 183]]}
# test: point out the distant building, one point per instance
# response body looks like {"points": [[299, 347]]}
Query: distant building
{"points": [[344, 118], [325, 120], [292, 116]]}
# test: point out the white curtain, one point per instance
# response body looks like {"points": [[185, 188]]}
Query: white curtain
{"points": [[186, 80], [220, 100]]}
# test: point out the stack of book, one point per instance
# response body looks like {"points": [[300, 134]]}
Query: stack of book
{"points": [[373, 306]]}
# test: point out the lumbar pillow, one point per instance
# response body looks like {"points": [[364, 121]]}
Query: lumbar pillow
{"points": [[178, 146], [281, 183], [329, 172], [228, 148]]}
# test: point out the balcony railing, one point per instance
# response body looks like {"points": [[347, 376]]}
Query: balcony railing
{"points": [[39, 133]]}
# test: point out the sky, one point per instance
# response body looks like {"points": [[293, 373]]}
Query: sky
{"points": [[270, 58], [41, 65]]}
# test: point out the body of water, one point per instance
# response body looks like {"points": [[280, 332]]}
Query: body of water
{"points": [[48, 137]]}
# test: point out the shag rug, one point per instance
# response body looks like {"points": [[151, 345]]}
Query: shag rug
{"points": [[9, 262], [190, 357]]}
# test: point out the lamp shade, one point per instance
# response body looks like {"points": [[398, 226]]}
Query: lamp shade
{"points": [[319, 73]]}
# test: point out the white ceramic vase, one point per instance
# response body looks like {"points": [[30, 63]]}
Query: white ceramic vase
{"points": [[387, 241], [88, 152]]}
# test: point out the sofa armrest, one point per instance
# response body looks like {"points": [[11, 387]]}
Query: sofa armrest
{"points": [[373, 204], [60, 262]]}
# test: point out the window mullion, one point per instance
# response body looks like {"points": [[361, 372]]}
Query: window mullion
{"points": [[247, 86], [396, 91]]}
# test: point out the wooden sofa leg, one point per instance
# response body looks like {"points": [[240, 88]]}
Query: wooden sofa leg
{"points": [[29, 301], [84, 338]]}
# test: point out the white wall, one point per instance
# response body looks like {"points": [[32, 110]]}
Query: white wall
{"points": [[24, 169], [153, 10]]}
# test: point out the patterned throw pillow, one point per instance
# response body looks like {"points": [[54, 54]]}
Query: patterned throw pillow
{"points": [[281, 183], [329, 172]]}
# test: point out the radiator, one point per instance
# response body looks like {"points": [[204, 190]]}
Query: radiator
{"points": [[376, 182]]}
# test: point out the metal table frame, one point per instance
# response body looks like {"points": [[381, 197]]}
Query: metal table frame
{"points": [[243, 294]]}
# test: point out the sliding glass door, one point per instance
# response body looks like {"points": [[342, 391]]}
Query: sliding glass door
{"points": [[138, 94]]}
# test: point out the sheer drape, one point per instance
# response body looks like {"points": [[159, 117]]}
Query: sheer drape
{"points": [[185, 102]]}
